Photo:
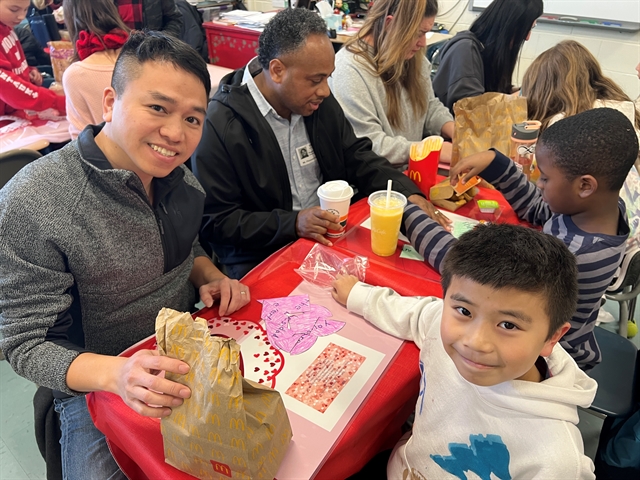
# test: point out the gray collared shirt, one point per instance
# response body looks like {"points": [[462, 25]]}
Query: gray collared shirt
{"points": [[302, 166]]}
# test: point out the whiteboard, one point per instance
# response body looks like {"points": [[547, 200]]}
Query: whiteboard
{"points": [[610, 14]]}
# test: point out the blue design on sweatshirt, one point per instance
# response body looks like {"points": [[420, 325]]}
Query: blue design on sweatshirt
{"points": [[423, 386], [484, 456]]}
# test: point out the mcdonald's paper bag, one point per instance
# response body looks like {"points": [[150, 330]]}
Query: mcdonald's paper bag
{"points": [[230, 427], [485, 122]]}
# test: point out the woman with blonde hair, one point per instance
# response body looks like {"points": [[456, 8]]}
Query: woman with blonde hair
{"points": [[382, 80], [98, 33], [566, 80]]}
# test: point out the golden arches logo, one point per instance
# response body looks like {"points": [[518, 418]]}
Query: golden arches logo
{"points": [[213, 419], [239, 461], [179, 419], [177, 439], [215, 437], [256, 451], [236, 423], [234, 400], [213, 374], [189, 377], [221, 468], [217, 454], [225, 355], [415, 176], [194, 430], [196, 447], [214, 398], [238, 443], [177, 351]]}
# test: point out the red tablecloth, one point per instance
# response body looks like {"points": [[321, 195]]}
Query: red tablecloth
{"points": [[136, 441]]}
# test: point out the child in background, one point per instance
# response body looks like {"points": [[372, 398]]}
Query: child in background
{"points": [[20, 85], [567, 79], [583, 162], [98, 33], [498, 396]]}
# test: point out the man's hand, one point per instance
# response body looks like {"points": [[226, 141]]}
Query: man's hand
{"points": [[432, 211], [471, 166], [35, 77], [342, 286], [232, 294], [140, 386], [314, 222]]}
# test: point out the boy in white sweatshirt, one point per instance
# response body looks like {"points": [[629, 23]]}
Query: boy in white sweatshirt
{"points": [[498, 396]]}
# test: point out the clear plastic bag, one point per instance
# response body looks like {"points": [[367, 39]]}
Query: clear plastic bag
{"points": [[322, 264]]}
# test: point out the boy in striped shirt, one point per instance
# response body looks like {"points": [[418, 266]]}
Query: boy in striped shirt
{"points": [[583, 162]]}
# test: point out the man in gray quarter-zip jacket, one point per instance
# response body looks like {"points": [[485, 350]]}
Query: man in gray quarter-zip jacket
{"points": [[97, 237]]}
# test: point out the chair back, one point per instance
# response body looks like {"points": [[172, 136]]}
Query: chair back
{"points": [[616, 375], [11, 162]]}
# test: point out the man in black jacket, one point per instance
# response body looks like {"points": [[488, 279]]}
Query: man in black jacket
{"points": [[261, 189]]}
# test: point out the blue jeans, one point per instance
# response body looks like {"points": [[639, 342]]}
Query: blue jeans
{"points": [[85, 454]]}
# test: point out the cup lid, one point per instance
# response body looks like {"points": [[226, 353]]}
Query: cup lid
{"points": [[335, 190], [526, 130]]}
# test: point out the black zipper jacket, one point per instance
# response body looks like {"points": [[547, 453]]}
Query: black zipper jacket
{"points": [[248, 208]]}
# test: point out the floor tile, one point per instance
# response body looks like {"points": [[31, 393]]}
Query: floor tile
{"points": [[10, 469]]}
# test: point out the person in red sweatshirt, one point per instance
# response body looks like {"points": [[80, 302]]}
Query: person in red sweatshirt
{"points": [[20, 85]]}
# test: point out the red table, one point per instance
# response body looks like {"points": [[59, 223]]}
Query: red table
{"points": [[357, 239], [136, 441]]}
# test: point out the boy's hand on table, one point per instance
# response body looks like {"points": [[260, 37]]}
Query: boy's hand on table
{"points": [[232, 294], [471, 166], [35, 77], [142, 389], [435, 214], [314, 222], [342, 286]]}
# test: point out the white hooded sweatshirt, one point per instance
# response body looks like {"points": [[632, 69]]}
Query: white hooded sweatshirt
{"points": [[513, 430]]}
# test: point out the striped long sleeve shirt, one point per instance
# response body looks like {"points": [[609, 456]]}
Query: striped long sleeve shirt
{"points": [[598, 255]]}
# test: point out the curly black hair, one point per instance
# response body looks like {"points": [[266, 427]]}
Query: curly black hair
{"points": [[601, 142], [504, 256], [286, 32]]}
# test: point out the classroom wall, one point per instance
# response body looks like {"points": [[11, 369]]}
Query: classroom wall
{"points": [[617, 52]]}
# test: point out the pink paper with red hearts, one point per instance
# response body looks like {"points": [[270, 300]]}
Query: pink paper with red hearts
{"points": [[262, 362]]}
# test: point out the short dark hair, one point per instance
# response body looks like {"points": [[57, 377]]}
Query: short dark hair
{"points": [[151, 46], [601, 142], [510, 256], [286, 32]]}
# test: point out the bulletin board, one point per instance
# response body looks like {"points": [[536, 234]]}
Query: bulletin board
{"points": [[618, 15]]}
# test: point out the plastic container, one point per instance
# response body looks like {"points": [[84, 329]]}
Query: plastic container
{"points": [[385, 221], [523, 145]]}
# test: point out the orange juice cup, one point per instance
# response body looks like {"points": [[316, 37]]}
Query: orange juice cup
{"points": [[385, 221]]}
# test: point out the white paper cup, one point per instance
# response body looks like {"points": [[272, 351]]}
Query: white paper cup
{"points": [[335, 197]]}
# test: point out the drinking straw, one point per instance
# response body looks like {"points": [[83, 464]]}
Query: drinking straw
{"points": [[388, 192]]}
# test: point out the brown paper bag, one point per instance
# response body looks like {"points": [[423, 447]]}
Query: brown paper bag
{"points": [[231, 427], [62, 53], [485, 122]]}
